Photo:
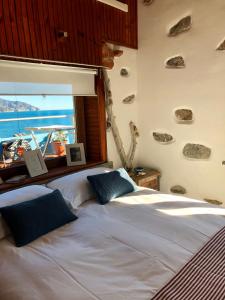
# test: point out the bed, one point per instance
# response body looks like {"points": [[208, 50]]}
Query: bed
{"points": [[127, 249]]}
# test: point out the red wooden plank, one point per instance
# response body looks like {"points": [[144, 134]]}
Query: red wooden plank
{"points": [[37, 29], [3, 40], [19, 18], [14, 28], [57, 27], [59, 5], [31, 26], [66, 17], [52, 25], [8, 29], [48, 29], [26, 29], [41, 17], [72, 38], [76, 6]]}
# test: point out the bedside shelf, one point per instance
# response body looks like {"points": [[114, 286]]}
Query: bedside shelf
{"points": [[151, 179]]}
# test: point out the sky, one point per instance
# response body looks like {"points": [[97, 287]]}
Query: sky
{"points": [[39, 89], [44, 102]]}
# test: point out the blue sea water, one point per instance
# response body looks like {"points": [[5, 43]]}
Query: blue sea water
{"points": [[10, 128]]}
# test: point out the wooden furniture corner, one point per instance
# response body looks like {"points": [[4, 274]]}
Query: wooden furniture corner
{"points": [[151, 179]]}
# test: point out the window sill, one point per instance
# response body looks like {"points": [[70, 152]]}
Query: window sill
{"points": [[52, 174]]}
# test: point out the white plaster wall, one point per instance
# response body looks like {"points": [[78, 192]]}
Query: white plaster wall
{"points": [[121, 88], [200, 86]]}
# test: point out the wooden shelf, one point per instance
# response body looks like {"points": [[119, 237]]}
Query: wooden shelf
{"points": [[52, 174]]}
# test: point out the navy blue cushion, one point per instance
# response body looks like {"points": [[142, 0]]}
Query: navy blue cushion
{"points": [[111, 185], [31, 219]]}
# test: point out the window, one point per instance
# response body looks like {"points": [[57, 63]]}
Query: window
{"points": [[26, 122], [37, 107], [36, 96]]}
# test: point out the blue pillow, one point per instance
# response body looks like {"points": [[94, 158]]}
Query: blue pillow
{"points": [[111, 185], [32, 219]]}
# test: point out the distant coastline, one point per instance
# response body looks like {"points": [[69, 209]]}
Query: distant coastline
{"points": [[16, 106]]}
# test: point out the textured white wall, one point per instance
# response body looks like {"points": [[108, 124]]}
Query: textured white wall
{"points": [[200, 86], [121, 88]]}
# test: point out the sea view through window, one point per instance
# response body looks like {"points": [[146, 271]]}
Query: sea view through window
{"points": [[24, 123]]}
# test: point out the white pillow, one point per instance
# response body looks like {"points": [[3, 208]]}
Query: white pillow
{"points": [[17, 196], [75, 187]]}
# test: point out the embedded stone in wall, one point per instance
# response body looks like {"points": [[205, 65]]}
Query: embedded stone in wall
{"points": [[183, 25], [196, 151], [175, 62], [214, 202], [163, 138], [184, 115], [178, 189], [129, 99], [147, 2], [124, 72], [108, 124], [221, 46]]}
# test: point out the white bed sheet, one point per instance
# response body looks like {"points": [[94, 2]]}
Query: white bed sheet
{"points": [[127, 249]]}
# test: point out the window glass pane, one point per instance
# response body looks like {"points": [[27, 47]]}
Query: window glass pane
{"points": [[27, 121]]}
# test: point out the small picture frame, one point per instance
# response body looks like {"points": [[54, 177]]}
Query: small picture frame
{"points": [[75, 155], [35, 163]]}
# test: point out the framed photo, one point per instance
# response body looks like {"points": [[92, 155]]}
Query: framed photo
{"points": [[35, 163], [75, 154]]}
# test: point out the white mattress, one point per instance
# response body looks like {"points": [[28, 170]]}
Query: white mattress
{"points": [[127, 249]]}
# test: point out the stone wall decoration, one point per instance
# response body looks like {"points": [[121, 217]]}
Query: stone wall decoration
{"points": [[183, 25], [126, 158], [221, 46], [124, 72], [108, 124], [163, 138], [184, 115], [213, 201], [108, 56], [196, 151], [129, 99], [178, 189], [147, 2], [175, 62]]}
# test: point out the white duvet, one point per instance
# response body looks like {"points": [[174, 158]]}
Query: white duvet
{"points": [[127, 249]]}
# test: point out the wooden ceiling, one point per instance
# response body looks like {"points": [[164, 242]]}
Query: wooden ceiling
{"points": [[70, 31]]}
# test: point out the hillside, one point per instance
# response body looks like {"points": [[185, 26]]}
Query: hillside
{"points": [[10, 106]]}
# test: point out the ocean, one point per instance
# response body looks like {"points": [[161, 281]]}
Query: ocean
{"points": [[10, 128]]}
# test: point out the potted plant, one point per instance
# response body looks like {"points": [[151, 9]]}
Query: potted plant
{"points": [[59, 140]]}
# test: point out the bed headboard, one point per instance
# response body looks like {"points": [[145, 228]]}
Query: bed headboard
{"points": [[51, 175]]}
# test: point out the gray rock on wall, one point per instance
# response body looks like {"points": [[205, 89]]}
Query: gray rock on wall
{"points": [[175, 62], [196, 151], [124, 72], [221, 46], [163, 138], [108, 124], [147, 2], [183, 25], [184, 115], [213, 201], [178, 189], [130, 99]]}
